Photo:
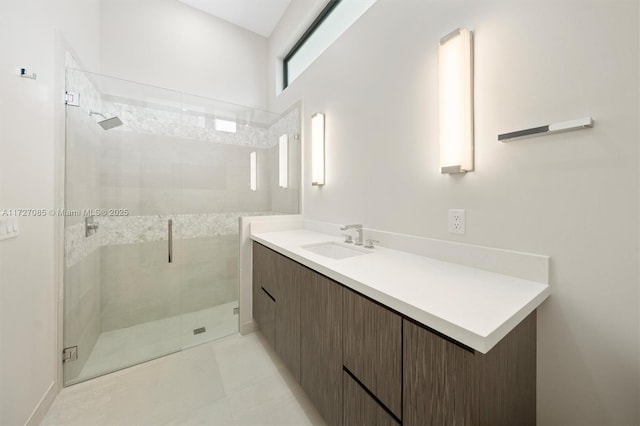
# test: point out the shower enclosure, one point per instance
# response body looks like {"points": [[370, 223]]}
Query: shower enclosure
{"points": [[155, 181]]}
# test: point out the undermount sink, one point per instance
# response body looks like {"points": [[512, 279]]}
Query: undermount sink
{"points": [[335, 250]]}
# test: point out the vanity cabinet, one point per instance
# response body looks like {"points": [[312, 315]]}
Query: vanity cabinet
{"points": [[372, 350], [362, 363], [321, 346]]}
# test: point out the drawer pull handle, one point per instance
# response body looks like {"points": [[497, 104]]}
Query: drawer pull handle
{"points": [[268, 294]]}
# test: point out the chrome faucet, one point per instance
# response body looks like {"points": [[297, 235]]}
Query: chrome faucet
{"points": [[358, 229]]}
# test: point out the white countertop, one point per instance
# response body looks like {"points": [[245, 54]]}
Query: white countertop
{"points": [[473, 306]]}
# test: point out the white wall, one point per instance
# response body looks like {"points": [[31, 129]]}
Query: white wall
{"points": [[28, 287], [572, 196], [169, 44]]}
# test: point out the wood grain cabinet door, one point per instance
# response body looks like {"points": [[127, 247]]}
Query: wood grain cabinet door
{"points": [[264, 313], [264, 268], [507, 378], [439, 381], [291, 277], [360, 409], [321, 346], [264, 304], [372, 348], [448, 384]]}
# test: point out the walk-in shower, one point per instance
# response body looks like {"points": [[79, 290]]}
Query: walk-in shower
{"points": [[162, 189]]}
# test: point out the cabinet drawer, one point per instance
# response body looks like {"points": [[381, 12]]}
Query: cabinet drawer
{"points": [[264, 313], [264, 269], [372, 349], [448, 384], [360, 408], [439, 385]]}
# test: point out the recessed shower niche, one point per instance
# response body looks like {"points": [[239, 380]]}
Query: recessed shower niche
{"points": [[154, 187]]}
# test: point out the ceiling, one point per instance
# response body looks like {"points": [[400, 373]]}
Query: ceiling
{"points": [[259, 16]]}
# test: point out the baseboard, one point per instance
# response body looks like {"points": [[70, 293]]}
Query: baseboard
{"points": [[38, 413], [248, 327]]}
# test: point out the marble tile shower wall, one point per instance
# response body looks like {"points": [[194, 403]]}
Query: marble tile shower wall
{"points": [[202, 184], [82, 276], [151, 174], [152, 168], [141, 229], [168, 121], [200, 180], [139, 284], [285, 199]]}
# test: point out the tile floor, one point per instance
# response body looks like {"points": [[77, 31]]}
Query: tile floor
{"points": [[129, 346], [236, 380]]}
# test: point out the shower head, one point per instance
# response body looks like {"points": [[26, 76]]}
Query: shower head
{"points": [[110, 123], [107, 123]]}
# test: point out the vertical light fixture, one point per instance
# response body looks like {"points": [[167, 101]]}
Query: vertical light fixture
{"points": [[253, 182], [283, 161], [317, 149], [456, 102]]}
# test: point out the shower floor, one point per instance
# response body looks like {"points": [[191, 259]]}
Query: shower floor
{"points": [[125, 347]]}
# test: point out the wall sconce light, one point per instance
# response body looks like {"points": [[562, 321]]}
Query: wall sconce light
{"points": [[317, 149], [456, 102], [253, 182], [283, 161]]}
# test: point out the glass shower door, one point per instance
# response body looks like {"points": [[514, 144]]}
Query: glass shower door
{"points": [[122, 287], [157, 181], [141, 279]]}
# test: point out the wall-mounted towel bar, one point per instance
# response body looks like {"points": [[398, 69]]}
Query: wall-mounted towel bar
{"points": [[565, 126]]}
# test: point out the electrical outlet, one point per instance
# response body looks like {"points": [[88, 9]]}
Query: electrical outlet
{"points": [[456, 221]]}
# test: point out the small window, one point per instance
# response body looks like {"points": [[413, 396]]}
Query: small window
{"points": [[336, 17]]}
